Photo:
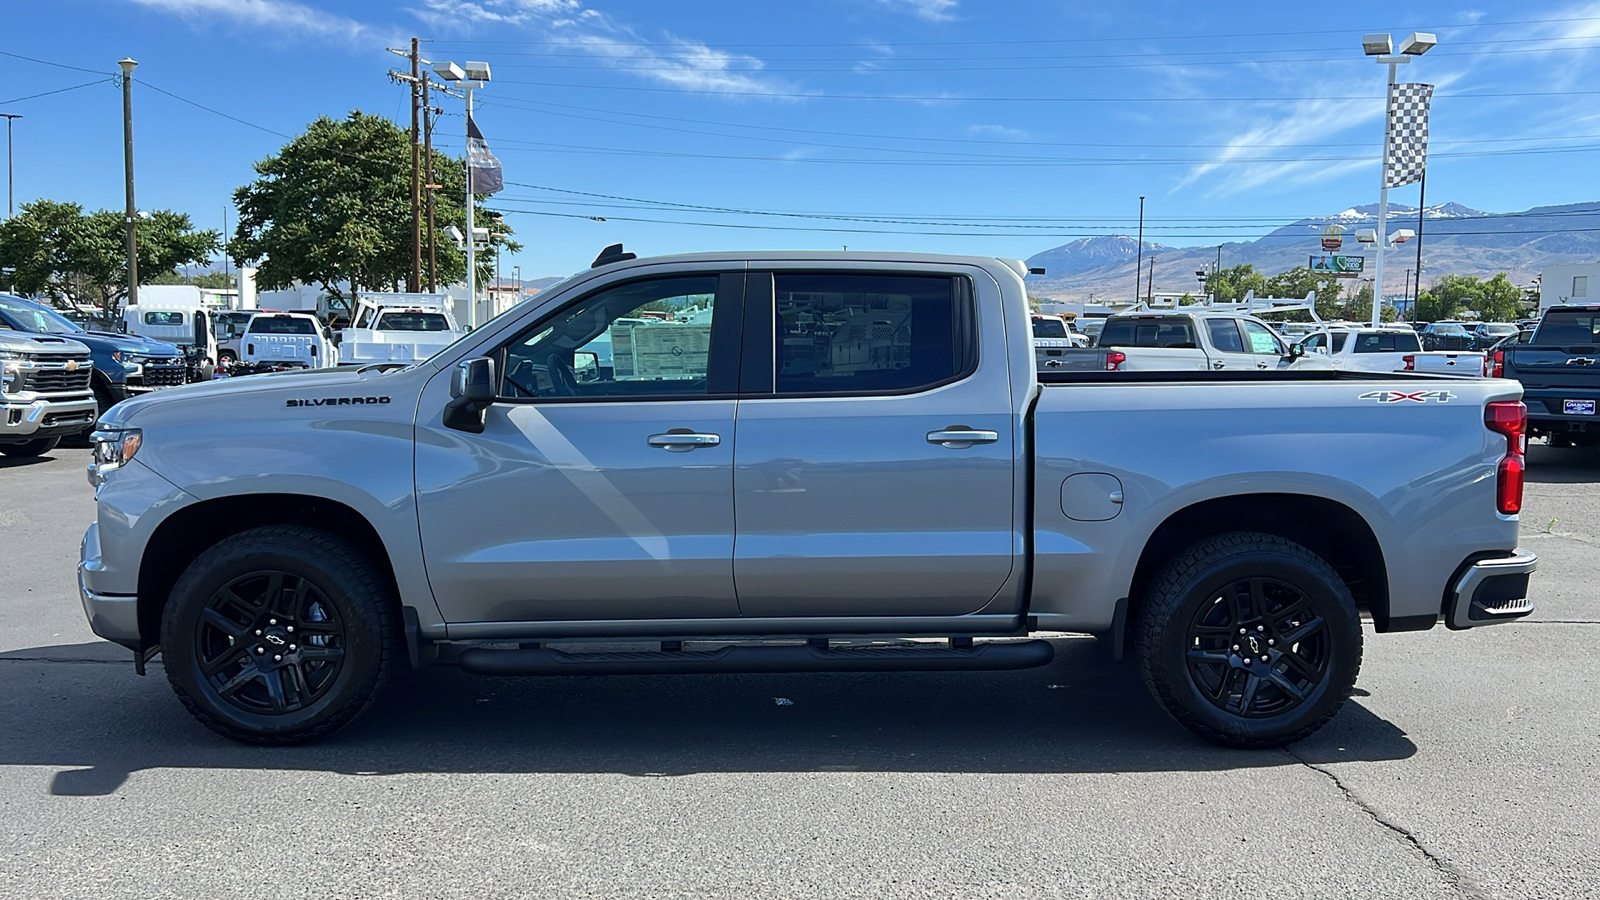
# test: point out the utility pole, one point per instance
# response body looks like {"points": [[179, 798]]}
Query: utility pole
{"points": [[429, 186], [128, 65], [1422, 213], [1138, 257], [227, 276], [11, 184], [1150, 286], [414, 285]]}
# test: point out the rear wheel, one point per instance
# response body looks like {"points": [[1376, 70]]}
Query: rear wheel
{"points": [[35, 447], [1250, 640], [278, 635]]}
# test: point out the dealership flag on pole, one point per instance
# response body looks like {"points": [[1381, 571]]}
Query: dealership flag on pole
{"points": [[481, 164], [1406, 156]]}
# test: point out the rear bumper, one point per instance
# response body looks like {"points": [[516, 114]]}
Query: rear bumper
{"points": [[1547, 410], [46, 418], [1491, 591]]}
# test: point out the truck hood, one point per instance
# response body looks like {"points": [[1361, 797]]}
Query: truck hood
{"points": [[130, 343], [22, 342], [274, 389]]}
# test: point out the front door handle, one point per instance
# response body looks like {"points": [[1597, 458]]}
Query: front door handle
{"points": [[1217, 364], [959, 437], [1261, 365], [685, 440]]}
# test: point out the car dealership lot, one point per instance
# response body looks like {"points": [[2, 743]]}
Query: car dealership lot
{"points": [[1468, 765]]}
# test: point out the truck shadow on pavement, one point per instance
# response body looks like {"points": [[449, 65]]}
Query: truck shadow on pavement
{"points": [[21, 462], [72, 710], [1563, 465]]}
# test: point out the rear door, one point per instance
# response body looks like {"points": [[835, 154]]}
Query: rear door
{"points": [[1228, 349], [875, 472]]}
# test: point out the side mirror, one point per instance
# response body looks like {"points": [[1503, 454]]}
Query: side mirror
{"points": [[1297, 350], [472, 390]]}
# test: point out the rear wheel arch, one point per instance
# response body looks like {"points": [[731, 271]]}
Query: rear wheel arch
{"points": [[182, 537], [1328, 528]]}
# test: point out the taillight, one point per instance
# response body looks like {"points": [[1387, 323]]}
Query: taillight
{"points": [[1114, 359], [1510, 418], [1411, 363], [1498, 370]]}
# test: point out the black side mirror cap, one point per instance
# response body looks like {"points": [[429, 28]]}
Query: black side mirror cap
{"points": [[472, 390]]}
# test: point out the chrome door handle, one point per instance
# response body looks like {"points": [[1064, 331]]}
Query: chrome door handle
{"points": [[681, 441], [1261, 365], [1217, 364], [960, 437]]}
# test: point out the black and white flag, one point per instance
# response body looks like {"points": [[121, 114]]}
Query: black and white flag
{"points": [[1406, 156], [482, 167]]}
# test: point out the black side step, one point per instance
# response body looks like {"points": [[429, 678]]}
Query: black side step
{"points": [[991, 656]]}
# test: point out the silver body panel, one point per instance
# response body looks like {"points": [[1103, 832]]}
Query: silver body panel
{"points": [[812, 515]]}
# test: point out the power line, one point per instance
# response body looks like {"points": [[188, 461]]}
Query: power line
{"points": [[215, 112], [106, 80], [46, 62]]}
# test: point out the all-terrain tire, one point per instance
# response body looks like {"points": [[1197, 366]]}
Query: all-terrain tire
{"points": [[220, 651], [1291, 629]]}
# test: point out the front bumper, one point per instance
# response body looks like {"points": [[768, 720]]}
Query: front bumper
{"points": [[114, 617], [43, 418], [1491, 591]]}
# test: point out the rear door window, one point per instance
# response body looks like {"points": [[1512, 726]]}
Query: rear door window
{"points": [[870, 333], [1225, 335]]}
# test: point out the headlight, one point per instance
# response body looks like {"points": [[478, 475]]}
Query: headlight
{"points": [[114, 448]]}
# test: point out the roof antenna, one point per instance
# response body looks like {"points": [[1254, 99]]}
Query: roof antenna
{"points": [[612, 254]]}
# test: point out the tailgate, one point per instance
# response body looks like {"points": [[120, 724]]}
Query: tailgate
{"points": [[1443, 362], [281, 348]]}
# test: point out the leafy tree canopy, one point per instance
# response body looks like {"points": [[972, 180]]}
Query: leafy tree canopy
{"points": [[58, 251], [333, 208]]}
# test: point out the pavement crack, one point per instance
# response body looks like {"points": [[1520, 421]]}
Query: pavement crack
{"points": [[64, 659], [1464, 887]]}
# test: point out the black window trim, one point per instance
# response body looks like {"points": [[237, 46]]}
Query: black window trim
{"points": [[725, 336], [759, 346]]}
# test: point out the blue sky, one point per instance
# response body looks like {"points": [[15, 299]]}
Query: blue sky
{"points": [[1013, 127]]}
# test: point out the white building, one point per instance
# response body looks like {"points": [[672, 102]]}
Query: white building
{"points": [[1559, 285]]}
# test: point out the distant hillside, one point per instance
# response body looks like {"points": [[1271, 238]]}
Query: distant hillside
{"points": [[1456, 240]]}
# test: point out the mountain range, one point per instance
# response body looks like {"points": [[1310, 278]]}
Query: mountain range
{"points": [[1456, 239]]}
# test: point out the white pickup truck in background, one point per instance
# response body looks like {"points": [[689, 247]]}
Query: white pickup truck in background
{"points": [[1389, 349], [398, 328], [286, 340], [1177, 341]]}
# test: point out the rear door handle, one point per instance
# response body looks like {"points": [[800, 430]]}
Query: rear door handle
{"points": [[682, 441], [1217, 364], [958, 437]]}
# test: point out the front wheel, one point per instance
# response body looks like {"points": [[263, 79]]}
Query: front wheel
{"points": [[279, 634], [27, 449], [1250, 640]]}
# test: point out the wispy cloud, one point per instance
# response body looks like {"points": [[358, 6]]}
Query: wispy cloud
{"points": [[281, 18], [929, 10], [1000, 131]]}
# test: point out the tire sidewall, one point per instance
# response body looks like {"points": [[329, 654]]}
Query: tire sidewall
{"points": [[1330, 599], [234, 558]]}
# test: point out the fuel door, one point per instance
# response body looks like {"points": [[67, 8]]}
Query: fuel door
{"points": [[1091, 497]]}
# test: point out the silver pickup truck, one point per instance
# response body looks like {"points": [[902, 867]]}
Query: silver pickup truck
{"points": [[817, 462], [45, 392]]}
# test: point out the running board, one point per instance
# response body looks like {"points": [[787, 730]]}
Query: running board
{"points": [[990, 656]]}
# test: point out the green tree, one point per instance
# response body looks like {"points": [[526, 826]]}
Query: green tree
{"points": [[1299, 282], [1231, 284], [217, 280], [57, 250], [1498, 300], [333, 208], [1359, 307]]}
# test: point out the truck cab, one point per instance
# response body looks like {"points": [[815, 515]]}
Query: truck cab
{"points": [[186, 326]]}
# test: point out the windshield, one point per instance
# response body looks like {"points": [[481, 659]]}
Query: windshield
{"points": [[1500, 330], [1049, 328], [281, 325], [1449, 329], [412, 321], [36, 319]]}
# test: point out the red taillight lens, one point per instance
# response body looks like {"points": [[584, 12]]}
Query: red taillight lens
{"points": [[1510, 418], [1411, 362], [1114, 359], [1498, 370]]}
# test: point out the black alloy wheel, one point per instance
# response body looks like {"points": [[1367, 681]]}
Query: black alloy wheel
{"points": [[1249, 640], [270, 643], [1258, 649], [279, 634]]}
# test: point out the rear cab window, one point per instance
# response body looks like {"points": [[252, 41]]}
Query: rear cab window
{"points": [[1569, 327], [412, 321], [1150, 331], [282, 325]]}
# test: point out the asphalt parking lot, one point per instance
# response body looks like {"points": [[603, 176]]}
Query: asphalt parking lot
{"points": [[1468, 765]]}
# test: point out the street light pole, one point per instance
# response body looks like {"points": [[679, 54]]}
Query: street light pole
{"points": [[128, 65], [472, 235], [1381, 47], [11, 184], [1138, 257]]}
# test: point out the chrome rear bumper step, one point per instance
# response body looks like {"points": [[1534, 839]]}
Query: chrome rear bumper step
{"points": [[743, 659]]}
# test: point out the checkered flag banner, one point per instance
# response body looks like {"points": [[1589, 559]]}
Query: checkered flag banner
{"points": [[1406, 156]]}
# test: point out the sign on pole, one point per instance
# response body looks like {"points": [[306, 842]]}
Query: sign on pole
{"points": [[1333, 237], [1341, 266]]}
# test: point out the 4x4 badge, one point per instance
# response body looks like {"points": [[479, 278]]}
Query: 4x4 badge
{"points": [[1413, 396]]}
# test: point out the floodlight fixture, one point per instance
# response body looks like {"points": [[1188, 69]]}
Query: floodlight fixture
{"points": [[1377, 44], [1367, 235], [481, 235], [479, 71], [449, 71], [1418, 43], [455, 234], [1402, 235]]}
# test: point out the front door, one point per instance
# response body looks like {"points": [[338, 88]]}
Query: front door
{"points": [[875, 468], [592, 494]]}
